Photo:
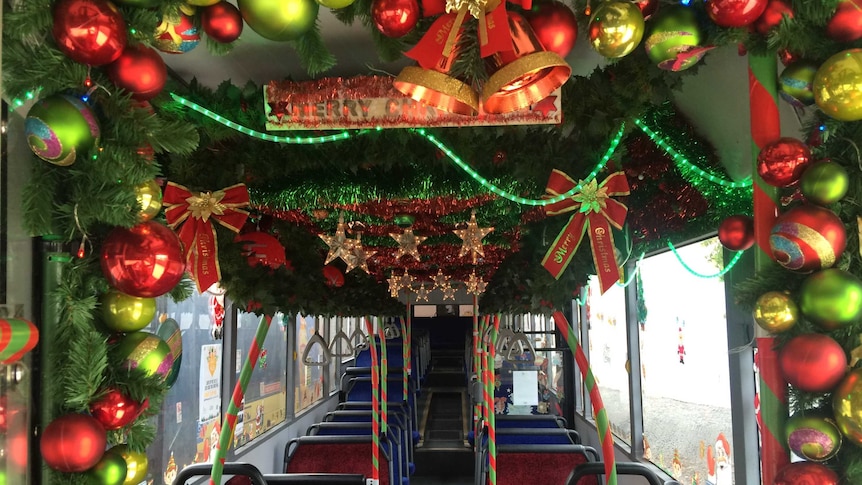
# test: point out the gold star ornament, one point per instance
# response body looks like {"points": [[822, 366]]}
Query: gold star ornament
{"points": [[340, 246], [448, 292], [472, 237], [394, 285], [475, 285], [408, 243], [422, 293], [358, 257], [407, 281], [440, 280]]}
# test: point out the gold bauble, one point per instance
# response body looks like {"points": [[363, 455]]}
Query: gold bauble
{"points": [[837, 86], [775, 311], [202, 3], [136, 464], [149, 196], [616, 28]]}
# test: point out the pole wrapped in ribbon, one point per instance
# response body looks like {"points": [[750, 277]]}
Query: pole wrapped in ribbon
{"points": [[193, 213], [594, 211]]}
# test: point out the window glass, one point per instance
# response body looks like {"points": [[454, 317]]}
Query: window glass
{"points": [[606, 314], [685, 371], [189, 423], [309, 378], [265, 402], [332, 330]]}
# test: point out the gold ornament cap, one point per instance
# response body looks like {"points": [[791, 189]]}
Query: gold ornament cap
{"points": [[438, 90]]}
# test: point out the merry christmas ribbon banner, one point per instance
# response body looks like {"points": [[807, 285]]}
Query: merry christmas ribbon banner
{"points": [[193, 213], [594, 211]]}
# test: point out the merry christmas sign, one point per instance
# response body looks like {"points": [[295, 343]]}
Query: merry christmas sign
{"points": [[371, 102]]}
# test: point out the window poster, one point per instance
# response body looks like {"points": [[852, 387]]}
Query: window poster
{"points": [[209, 414]]}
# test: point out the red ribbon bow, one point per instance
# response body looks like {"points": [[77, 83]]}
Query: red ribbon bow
{"points": [[193, 213], [596, 211]]}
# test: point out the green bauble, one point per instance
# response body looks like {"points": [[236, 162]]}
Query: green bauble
{"points": [[279, 20], [831, 298], [335, 4], [794, 84], [836, 86], [815, 438], [126, 313], [110, 470], [169, 331], [145, 351], [673, 38], [824, 183], [59, 128]]}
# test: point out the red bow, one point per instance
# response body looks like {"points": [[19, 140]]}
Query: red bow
{"points": [[597, 211], [193, 213]]}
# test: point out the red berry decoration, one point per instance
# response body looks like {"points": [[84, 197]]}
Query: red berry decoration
{"points": [[144, 261], [805, 473], [771, 17], [782, 162], [555, 26], [91, 32], [846, 24], [737, 232], [333, 276], [73, 443], [140, 71], [813, 362], [115, 409], [735, 13], [222, 22], [395, 18]]}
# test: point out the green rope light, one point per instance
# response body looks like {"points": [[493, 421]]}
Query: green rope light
{"points": [[514, 198], [724, 270], [682, 161], [634, 273]]}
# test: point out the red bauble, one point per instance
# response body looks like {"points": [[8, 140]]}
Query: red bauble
{"points": [[395, 18], [735, 13], [115, 409], [262, 248], [555, 26], [140, 71], [145, 261], [73, 443], [647, 7], [736, 232], [805, 473], [91, 32], [782, 162], [222, 22], [771, 17], [813, 362], [333, 276], [846, 24]]}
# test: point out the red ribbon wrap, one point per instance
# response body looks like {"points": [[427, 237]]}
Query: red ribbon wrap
{"points": [[193, 213], [594, 211]]}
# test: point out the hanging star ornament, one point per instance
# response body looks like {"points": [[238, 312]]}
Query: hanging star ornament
{"points": [[440, 280], [448, 292], [340, 246], [475, 285], [472, 237], [407, 281], [422, 293], [408, 243], [358, 257], [394, 285]]}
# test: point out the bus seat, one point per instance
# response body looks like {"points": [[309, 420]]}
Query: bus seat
{"points": [[583, 472], [548, 464], [335, 454], [248, 474]]}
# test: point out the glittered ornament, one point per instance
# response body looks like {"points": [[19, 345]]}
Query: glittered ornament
{"points": [[736, 232], [169, 332], [735, 13], [813, 437], [615, 28], [782, 162], [772, 15], [140, 70], [795, 83], [73, 443], [673, 39], [555, 26], [831, 298], [126, 313], [145, 260], [110, 470], [149, 197], [222, 22], [332, 276], [177, 32], [775, 311], [136, 464], [824, 183], [59, 128], [395, 18], [807, 238], [91, 32], [262, 249], [279, 20], [836, 86], [144, 351], [846, 24], [805, 473], [114, 409], [812, 362]]}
